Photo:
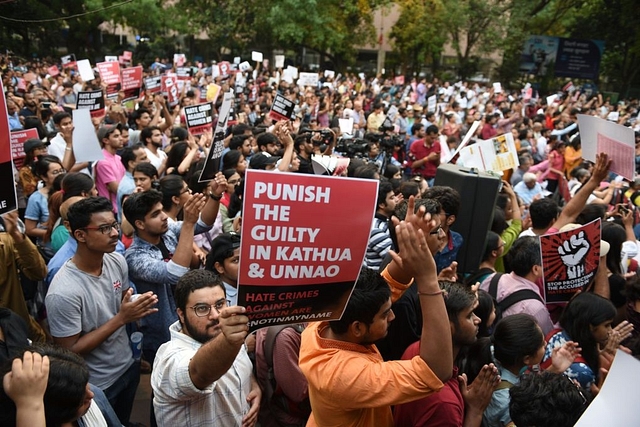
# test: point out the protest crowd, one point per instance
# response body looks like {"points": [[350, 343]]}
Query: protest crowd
{"points": [[127, 263]]}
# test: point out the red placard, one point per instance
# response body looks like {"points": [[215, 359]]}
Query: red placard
{"points": [[569, 261], [132, 82], [53, 70], [110, 74], [18, 138], [170, 88], [296, 262], [225, 68], [8, 196], [127, 55]]}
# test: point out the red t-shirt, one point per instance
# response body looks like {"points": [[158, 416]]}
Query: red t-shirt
{"points": [[445, 408], [418, 151]]}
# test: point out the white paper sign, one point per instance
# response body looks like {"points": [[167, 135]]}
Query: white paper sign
{"points": [[346, 125], [600, 136], [496, 154], [551, 99], [256, 56], [308, 79], [329, 73], [497, 87], [617, 402], [86, 147], [431, 103], [244, 66], [86, 72], [472, 131], [110, 58], [215, 71], [237, 60], [279, 63], [293, 70]]}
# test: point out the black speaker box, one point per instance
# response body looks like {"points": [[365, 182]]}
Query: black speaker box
{"points": [[478, 194]]}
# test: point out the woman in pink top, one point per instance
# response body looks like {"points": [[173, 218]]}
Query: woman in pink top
{"points": [[556, 166]]}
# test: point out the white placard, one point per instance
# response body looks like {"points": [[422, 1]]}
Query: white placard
{"points": [[308, 79], [496, 154], [86, 147], [472, 131], [85, 70], [329, 73], [431, 103], [215, 71], [497, 87], [237, 60], [279, 62], [256, 56], [110, 58], [617, 402], [293, 70], [551, 99], [346, 125], [244, 66], [598, 135]]}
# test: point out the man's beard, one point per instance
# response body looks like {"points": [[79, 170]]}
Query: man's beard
{"points": [[197, 335]]}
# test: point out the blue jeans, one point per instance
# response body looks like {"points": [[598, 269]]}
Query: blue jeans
{"points": [[122, 393]]}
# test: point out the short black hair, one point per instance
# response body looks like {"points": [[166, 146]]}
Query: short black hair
{"points": [[146, 168], [138, 205], [192, 281], [367, 171], [238, 141], [448, 197], [266, 138], [459, 298], [416, 127], [547, 399], [170, 186], [368, 296], [79, 215], [524, 255], [432, 129], [383, 189], [60, 116], [146, 133], [543, 211], [128, 155], [431, 206]]}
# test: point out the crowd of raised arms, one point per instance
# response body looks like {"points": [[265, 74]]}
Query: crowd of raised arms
{"points": [[134, 242]]}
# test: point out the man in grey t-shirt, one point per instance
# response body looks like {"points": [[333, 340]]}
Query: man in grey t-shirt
{"points": [[89, 304]]}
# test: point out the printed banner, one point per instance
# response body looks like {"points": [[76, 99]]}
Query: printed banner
{"points": [[8, 196], [495, 154], [199, 118], [212, 163], [170, 88], [110, 75], [68, 61], [179, 59], [569, 261], [153, 84], [18, 138], [92, 101], [295, 264], [184, 73], [131, 82], [282, 109], [53, 70], [601, 136]]}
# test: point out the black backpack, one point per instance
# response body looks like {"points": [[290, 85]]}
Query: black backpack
{"points": [[517, 296]]}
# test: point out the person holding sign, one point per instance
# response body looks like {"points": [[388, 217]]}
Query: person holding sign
{"points": [[349, 383]]}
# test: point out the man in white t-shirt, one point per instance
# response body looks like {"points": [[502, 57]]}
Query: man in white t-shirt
{"points": [[151, 137], [62, 122]]}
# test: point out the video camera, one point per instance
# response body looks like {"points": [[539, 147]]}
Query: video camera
{"points": [[353, 148]]}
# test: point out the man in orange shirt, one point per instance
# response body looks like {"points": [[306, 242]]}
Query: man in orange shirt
{"points": [[349, 383]]}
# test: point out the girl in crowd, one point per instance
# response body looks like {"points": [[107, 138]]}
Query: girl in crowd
{"points": [[235, 160], [73, 184], [33, 150], [587, 319], [47, 169], [555, 171], [493, 249], [516, 345]]}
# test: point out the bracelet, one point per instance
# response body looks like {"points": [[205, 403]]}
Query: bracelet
{"points": [[214, 197], [68, 149], [431, 294]]}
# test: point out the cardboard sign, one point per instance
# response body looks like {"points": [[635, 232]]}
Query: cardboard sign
{"points": [[53, 70], [308, 79], [184, 73], [110, 74], [282, 109], [601, 136], [569, 261], [497, 87], [213, 90], [618, 391], [153, 84], [170, 88], [295, 265], [293, 71], [256, 56], [132, 82], [8, 196], [212, 163], [85, 70], [279, 61], [346, 125], [18, 138], [92, 101], [179, 59], [495, 154], [68, 61], [199, 118]]}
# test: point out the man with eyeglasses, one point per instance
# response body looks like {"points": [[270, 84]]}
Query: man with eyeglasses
{"points": [[89, 304], [203, 376]]}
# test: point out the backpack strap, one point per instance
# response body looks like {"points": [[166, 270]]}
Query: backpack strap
{"points": [[493, 285], [521, 295], [270, 340]]}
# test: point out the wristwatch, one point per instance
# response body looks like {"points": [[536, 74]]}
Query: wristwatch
{"points": [[214, 197]]}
